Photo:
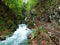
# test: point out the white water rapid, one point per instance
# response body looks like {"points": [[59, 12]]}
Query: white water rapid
{"points": [[19, 37]]}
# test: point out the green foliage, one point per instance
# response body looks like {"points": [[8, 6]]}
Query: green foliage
{"points": [[10, 20], [18, 5], [19, 8], [2, 24], [11, 25], [37, 31], [30, 4], [29, 42], [14, 3]]}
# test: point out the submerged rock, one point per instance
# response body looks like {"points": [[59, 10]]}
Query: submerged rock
{"points": [[2, 38]]}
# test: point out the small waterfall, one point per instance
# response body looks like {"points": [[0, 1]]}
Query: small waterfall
{"points": [[19, 37]]}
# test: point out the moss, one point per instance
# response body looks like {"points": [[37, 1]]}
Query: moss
{"points": [[29, 42]]}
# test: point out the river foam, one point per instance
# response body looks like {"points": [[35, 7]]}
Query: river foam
{"points": [[19, 37]]}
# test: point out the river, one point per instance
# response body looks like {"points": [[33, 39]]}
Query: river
{"points": [[19, 37]]}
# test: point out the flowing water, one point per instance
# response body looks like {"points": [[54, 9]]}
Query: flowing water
{"points": [[19, 37]]}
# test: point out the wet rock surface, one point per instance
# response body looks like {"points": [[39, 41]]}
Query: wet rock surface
{"points": [[2, 38]]}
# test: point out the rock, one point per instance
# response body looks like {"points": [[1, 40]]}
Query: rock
{"points": [[2, 38]]}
